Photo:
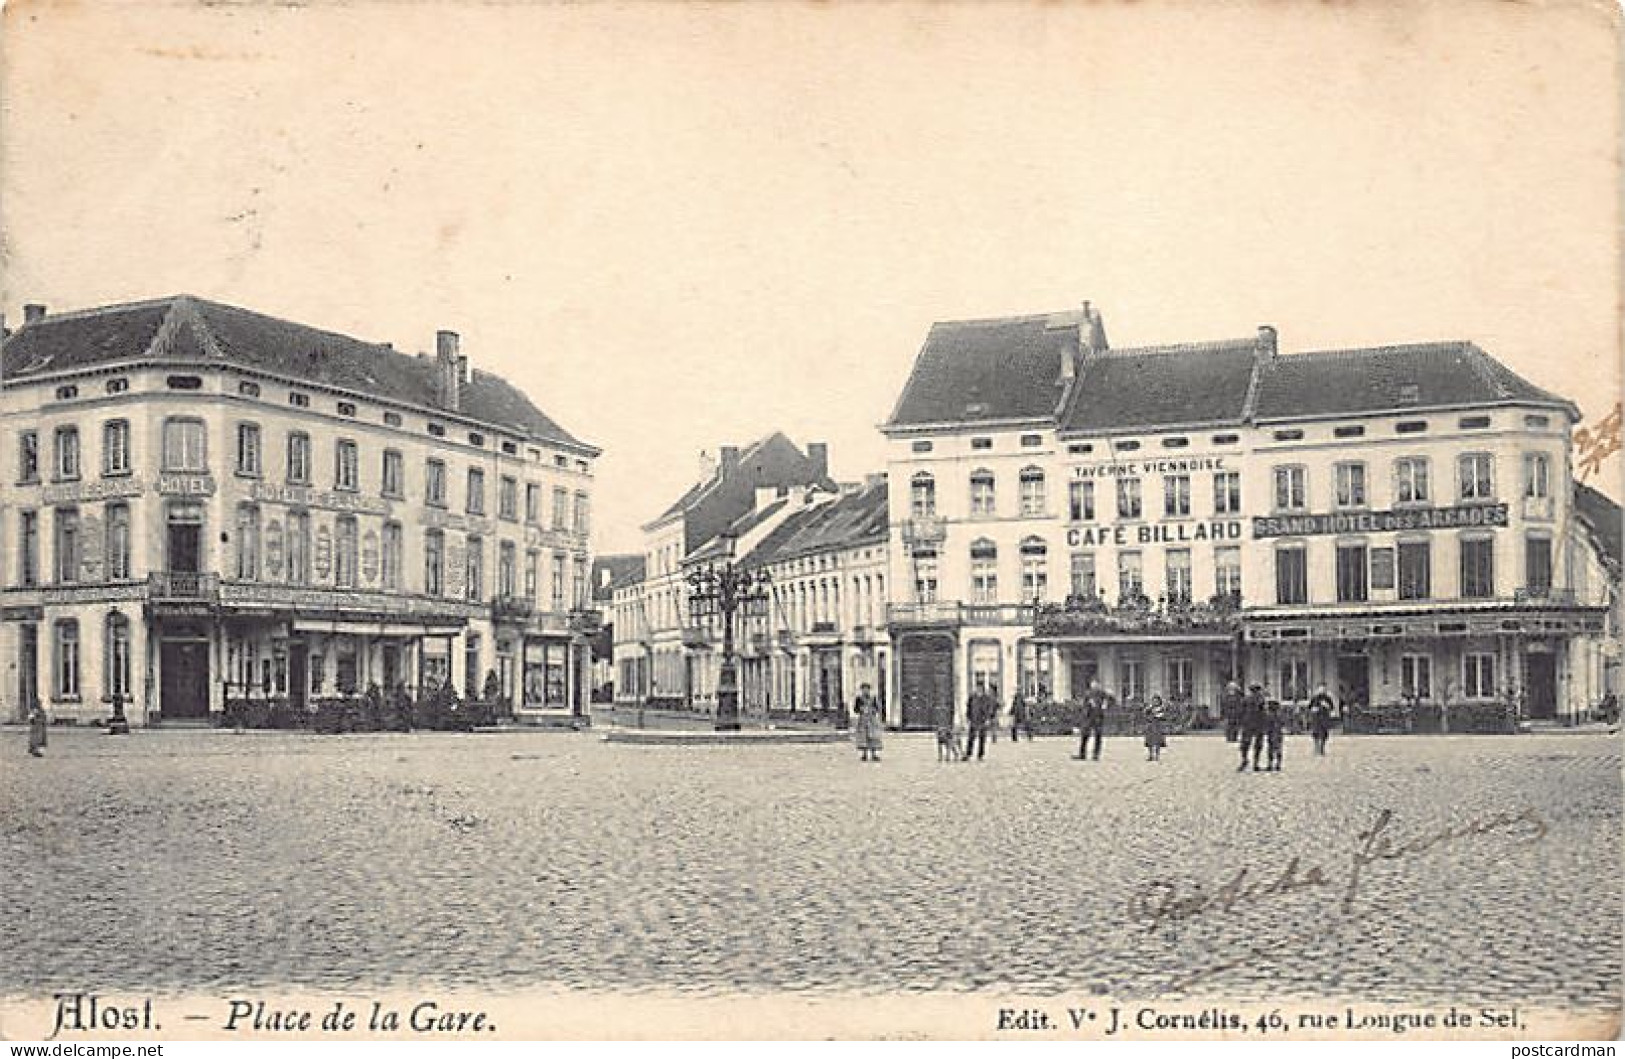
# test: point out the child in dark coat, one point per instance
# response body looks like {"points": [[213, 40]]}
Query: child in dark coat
{"points": [[1274, 734]]}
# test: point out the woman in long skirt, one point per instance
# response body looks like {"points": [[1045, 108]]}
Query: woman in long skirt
{"points": [[1156, 729], [869, 725], [36, 730]]}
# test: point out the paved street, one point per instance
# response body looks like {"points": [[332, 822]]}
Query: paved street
{"points": [[210, 860]]}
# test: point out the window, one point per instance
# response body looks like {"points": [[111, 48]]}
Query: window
{"points": [[346, 466], [394, 474], [298, 458], [1130, 577], [298, 547], [507, 571], [533, 560], [561, 509], [984, 572], [1177, 574], [117, 385], [115, 447], [184, 382], [1176, 443], [28, 457], [1176, 495], [67, 545], [434, 562], [1416, 677], [1411, 480], [66, 393], [393, 551], [1477, 567], [1351, 573], [1537, 475], [117, 548], [1537, 565], [1128, 498], [1350, 485], [345, 408], [1415, 569], [1473, 422], [1537, 422], [474, 569], [981, 444], [1478, 676], [556, 581], [984, 667], [1227, 492], [1031, 441], [1034, 569], [1181, 679], [248, 542], [1291, 574], [920, 446], [1353, 431], [1227, 572], [344, 551], [508, 499], [185, 445], [67, 454], [925, 577], [982, 498], [436, 430], [922, 495], [1080, 450], [1290, 491], [475, 501], [1133, 689], [1084, 583], [583, 511], [116, 657], [1411, 426], [476, 440], [299, 400], [66, 685], [533, 503], [1289, 435], [1125, 446], [434, 483], [1032, 492], [28, 548], [248, 449], [471, 664], [1477, 481], [1080, 500], [392, 419], [1294, 680]]}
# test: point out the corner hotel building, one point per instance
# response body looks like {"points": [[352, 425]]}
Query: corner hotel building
{"points": [[199, 503], [1394, 522]]}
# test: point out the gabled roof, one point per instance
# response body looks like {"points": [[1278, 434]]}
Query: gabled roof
{"points": [[1389, 379], [856, 518], [713, 548], [187, 329], [1161, 386], [1601, 519], [707, 486], [623, 570], [998, 369]]}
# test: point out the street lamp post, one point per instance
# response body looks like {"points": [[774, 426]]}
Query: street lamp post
{"points": [[721, 588]]}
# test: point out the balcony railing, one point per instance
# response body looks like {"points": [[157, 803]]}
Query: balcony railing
{"points": [[182, 586], [1548, 594], [697, 636], [946, 613], [511, 608], [924, 529], [954, 612], [586, 621], [1083, 616]]}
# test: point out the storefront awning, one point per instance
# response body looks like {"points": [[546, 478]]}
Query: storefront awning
{"points": [[1176, 639], [376, 628]]}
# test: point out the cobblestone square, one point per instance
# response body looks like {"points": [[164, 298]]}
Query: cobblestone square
{"points": [[205, 861]]}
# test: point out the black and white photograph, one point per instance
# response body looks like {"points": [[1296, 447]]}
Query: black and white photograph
{"points": [[803, 521]]}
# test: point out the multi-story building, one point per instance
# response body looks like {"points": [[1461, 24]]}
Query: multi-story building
{"points": [[1391, 522], [203, 504], [818, 633], [656, 643], [609, 573]]}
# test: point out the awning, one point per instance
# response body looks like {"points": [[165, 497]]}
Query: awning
{"points": [[376, 628]]}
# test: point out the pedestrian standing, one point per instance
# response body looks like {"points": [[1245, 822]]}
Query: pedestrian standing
{"points": [[1274, 734], [1320, 719], [1094, 718], [1020, 718], [1230, 709], [36, 730], [1253, 725], [1156, 729], [870, 724], [979, 714]]}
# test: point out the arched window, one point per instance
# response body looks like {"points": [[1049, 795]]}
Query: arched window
{"points": [[984, 571], [982, 497], [117, 670], [1034, 569], [922, 495], [1032, 492]]}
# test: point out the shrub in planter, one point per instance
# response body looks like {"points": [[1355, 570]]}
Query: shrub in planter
{"points": [[438, 709], [397, 710]]}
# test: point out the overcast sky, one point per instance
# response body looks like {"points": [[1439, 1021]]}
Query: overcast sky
{"points": [[680, 227]]}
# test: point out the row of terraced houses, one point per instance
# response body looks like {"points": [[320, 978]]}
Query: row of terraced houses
{"points": [[1399, 523]]}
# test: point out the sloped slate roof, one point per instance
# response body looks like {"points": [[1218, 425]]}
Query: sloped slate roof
{"points": [[712, 549], [842, 523], [623, 570], [1381, 378], [184, 328], [1601, 518], [1131, 389], [972, 370]]}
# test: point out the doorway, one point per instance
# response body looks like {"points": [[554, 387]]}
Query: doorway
{"points": [[185, 552], [184, 691], [1540, 685], [298, 674], [925, 678], [829, 680], [1354, 680], [1081, 672], [28, 670]]}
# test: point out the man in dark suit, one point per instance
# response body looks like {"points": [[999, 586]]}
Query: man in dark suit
{"points": [[1094, 718], [1254, 725], [979, 710], [1230, 709]]}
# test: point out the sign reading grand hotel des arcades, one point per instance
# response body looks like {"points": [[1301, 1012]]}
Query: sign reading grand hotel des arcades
{"points": [[1462, 516]]}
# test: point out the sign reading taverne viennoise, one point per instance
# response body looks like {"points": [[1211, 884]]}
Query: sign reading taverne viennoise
{"points": [[1465, 516]]}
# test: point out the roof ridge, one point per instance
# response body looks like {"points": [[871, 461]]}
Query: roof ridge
{"points": [[99, 310], [990, 320], [1200, 346], [1396, 347]]}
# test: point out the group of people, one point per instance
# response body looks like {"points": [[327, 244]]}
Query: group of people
{"points": [[1259, 725], [1092, 725]]}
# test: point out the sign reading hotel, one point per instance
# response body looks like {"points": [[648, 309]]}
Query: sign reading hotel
{"points": [[1465, 516]]}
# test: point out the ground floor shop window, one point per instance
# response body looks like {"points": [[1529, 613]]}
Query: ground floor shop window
{"points": [[1478, 676], [1416, 677], [345, 676], [436, 665], [1181, 679], [545, 680], [67, 659], [1133, 682], [1294, 680], [118, 657], [984, 667]]}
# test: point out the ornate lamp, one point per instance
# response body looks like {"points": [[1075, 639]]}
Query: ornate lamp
{"points": [[719, 589]]}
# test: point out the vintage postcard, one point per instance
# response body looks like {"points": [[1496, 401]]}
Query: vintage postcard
{"points": [[1090, 521]]}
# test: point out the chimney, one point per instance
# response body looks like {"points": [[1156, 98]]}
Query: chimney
{"points": [[1265, 345], [818, 456], [462, 369], [708, 466], [448, 375], [33, 313], [730, 457]]}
